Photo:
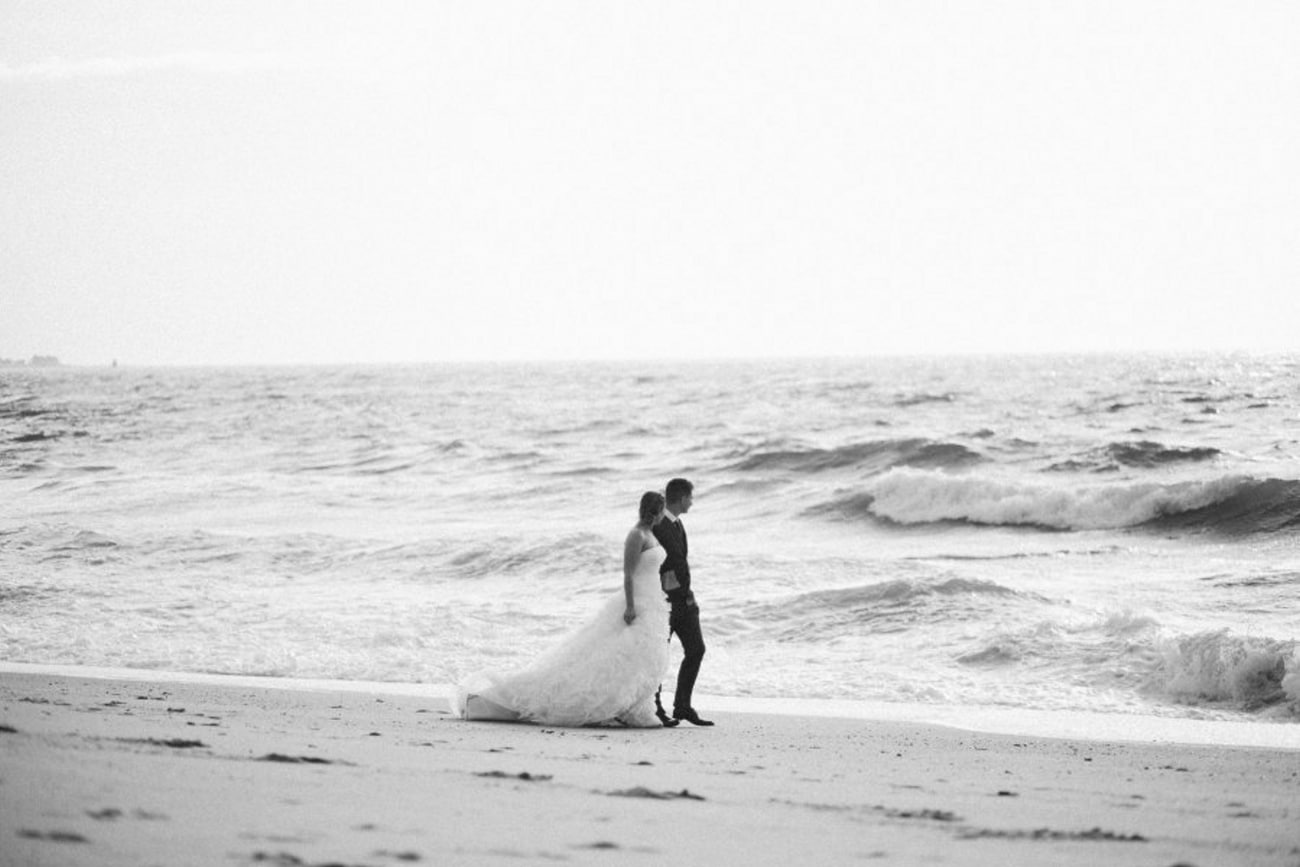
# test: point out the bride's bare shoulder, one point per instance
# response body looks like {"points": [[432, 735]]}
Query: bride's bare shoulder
{"points": [[643, 538]]}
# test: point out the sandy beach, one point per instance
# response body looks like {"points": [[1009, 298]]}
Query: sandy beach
{"points": [[108, 771]]}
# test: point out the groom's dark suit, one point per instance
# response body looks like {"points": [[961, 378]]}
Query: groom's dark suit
{"points": [[685, 616]]}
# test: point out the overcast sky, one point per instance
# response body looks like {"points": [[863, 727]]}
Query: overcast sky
{"points": [[315, 182]]}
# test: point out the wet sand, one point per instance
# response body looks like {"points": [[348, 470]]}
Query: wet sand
{"points": [[169, 771]]}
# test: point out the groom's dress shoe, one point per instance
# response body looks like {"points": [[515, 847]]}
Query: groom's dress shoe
{"points": [[691, 717]]}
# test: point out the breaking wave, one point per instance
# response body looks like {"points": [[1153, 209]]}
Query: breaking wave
{"points": [[1235, 505], [1219, 667], [1128, 652]]}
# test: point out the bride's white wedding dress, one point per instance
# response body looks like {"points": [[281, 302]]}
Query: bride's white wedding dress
{"points": [[607, 671]]}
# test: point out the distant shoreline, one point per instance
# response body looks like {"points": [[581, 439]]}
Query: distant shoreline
{"points": [[34, 361], [678, 363]]}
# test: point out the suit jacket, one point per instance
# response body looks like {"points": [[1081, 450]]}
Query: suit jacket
{"points": [[672, 535]]}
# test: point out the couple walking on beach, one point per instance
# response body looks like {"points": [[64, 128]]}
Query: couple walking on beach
{"points": [[611, 668]]}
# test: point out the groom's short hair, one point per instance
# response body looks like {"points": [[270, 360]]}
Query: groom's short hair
{"points": [[677, 489]]}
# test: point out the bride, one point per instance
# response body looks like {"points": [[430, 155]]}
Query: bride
{"points": [[608, 670]]}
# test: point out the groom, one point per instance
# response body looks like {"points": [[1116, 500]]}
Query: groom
{"points": [[675, 576]]}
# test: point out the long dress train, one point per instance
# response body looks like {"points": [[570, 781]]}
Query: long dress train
{"points": [[606, 671]]}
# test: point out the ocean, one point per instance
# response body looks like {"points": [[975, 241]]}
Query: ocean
{"points": [[1115, 535]]}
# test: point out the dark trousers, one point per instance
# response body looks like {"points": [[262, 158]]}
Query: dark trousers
{"points": [[685, 621]]}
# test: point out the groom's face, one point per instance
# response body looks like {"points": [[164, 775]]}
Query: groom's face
{"points": [[684, 505]]}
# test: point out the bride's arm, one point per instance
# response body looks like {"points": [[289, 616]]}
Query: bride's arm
{"points": [[631, 554]]}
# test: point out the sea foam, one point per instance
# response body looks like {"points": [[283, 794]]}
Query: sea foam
{"points": [[1221, 667]]}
